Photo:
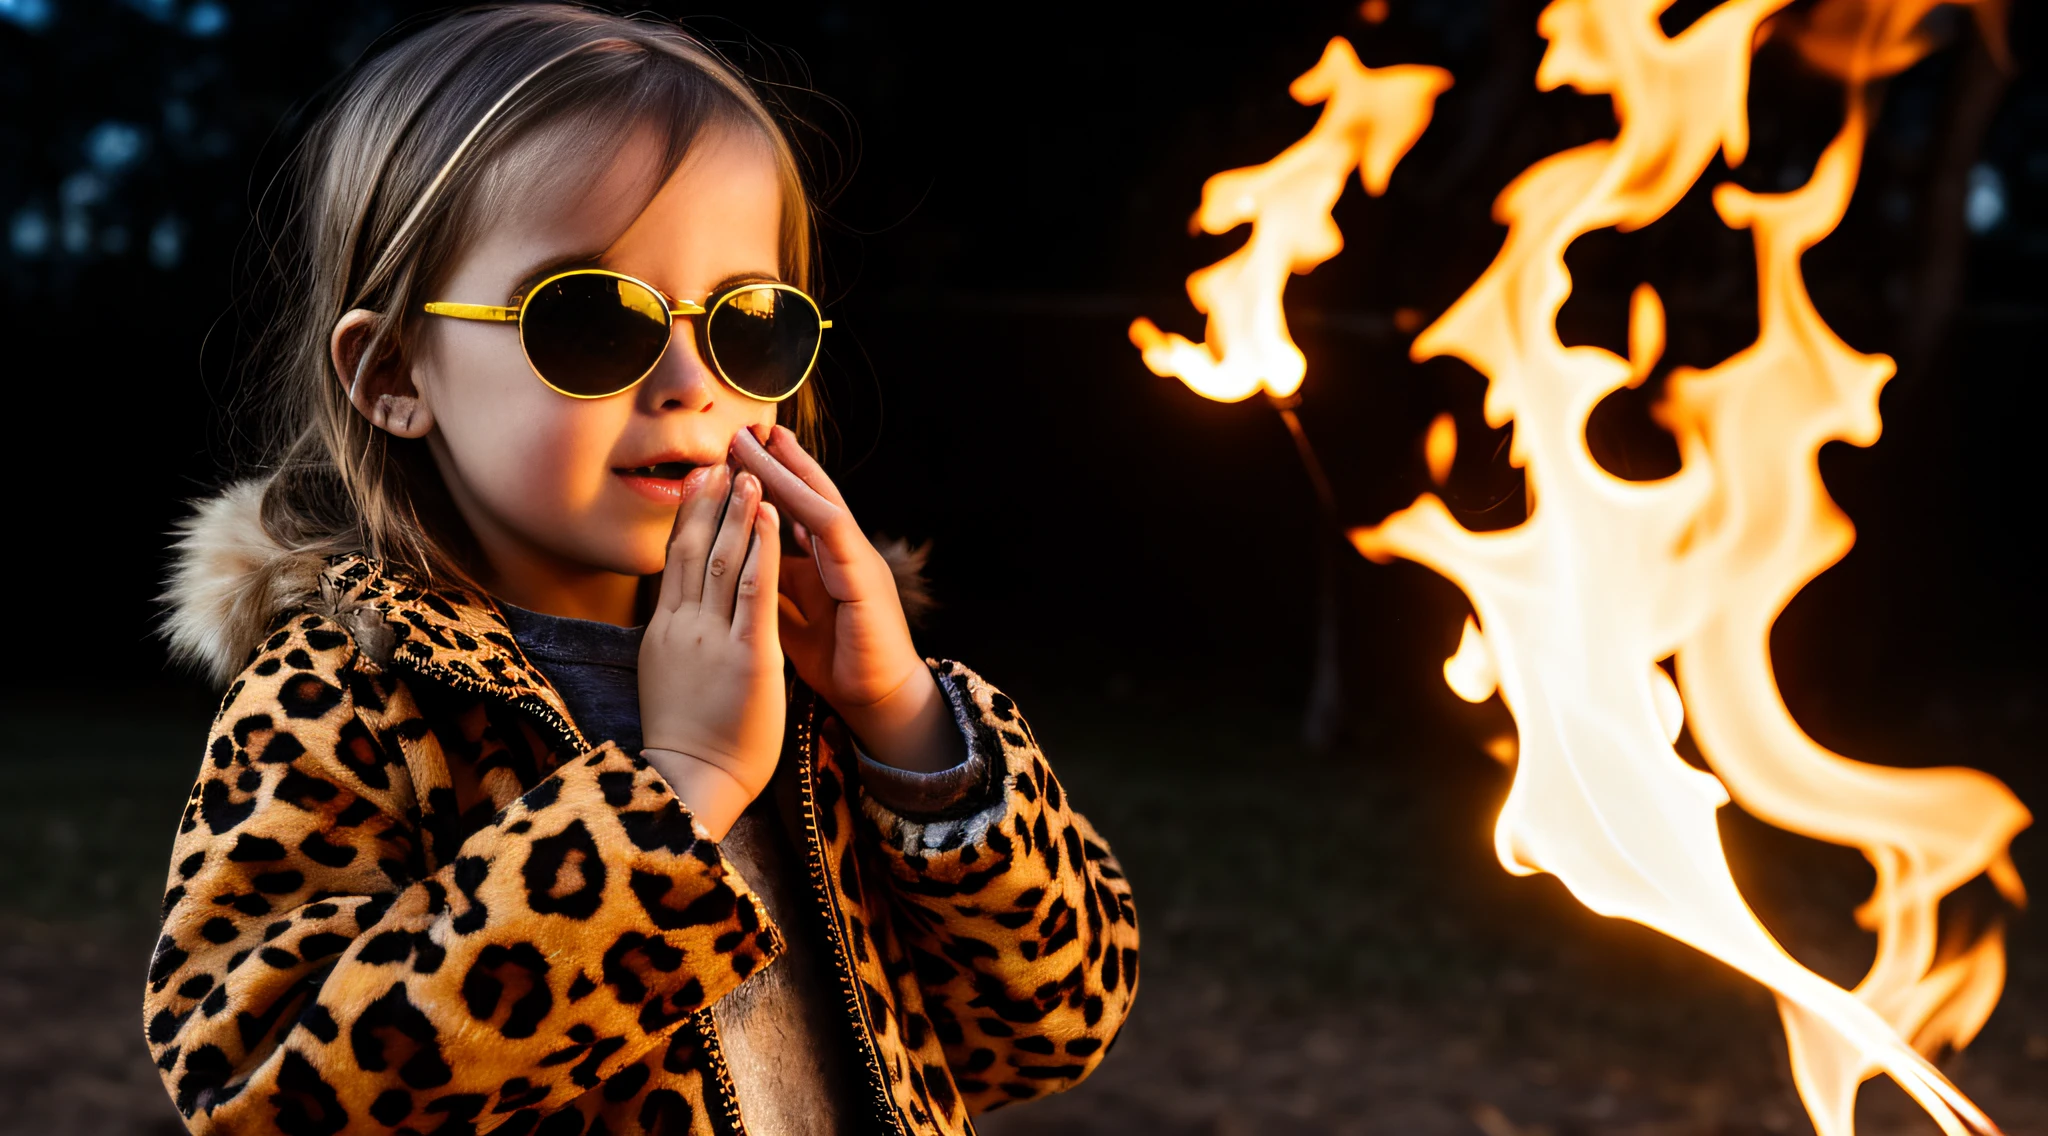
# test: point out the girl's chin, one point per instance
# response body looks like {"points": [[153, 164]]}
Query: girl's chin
{"points": [[645, 555], [631, 543], [636, 564]]}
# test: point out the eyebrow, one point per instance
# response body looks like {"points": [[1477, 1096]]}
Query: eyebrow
{"points": [[739, 278], [554, 264]]}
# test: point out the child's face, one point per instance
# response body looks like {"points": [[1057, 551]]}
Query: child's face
{"points": [[548, 482]]}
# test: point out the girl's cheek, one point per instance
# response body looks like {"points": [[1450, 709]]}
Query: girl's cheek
{"points": [[533, 458], [555, 456]]}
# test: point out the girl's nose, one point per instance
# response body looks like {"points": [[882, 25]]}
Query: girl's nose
{"points": [[682, 380]]}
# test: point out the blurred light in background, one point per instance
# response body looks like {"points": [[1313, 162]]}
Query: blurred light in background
{"points": [[35, 15], [167, 242], [28, 235], [206, 19], [179, 118], [202, 20], [114, 146], [1984, 208]]}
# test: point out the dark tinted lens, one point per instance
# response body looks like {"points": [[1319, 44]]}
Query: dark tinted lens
{"points": [[763, 340], [592, 335]]}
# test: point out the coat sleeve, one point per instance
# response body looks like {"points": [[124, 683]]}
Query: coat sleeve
{"points": [[327, 966], [1024, 937]]}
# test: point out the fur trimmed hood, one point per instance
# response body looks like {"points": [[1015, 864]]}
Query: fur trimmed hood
{"points": [[230, 580]]}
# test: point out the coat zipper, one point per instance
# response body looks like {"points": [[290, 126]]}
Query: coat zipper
{"points": [[827, 898], [720, 1080], [821, 886], [720, 1076]]}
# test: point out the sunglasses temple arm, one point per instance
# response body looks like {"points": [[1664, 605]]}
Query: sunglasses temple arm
{"points": [[488, 312]]}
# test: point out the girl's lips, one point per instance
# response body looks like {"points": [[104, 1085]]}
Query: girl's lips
{"points": [[666, 483], [661, 490]]}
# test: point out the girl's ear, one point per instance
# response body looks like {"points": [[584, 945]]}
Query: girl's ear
{"points": [[380, 387]]}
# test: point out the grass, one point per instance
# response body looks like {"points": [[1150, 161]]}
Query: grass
{"points": [[90, 809]]}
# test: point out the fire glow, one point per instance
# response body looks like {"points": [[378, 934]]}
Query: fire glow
{"points": [[1371, 117], [1576, 607]]}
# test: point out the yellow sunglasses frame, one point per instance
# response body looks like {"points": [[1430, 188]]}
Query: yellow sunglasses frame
{"points": [[515, 312]]}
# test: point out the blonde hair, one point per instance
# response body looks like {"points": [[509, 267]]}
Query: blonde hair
{"points": [[410, 158]]}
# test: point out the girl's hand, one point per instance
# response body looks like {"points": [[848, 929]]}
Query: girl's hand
{"points": [[842, 621], [711, 687]]}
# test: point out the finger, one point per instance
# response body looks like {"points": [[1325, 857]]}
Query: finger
{"points": [[783, 446], [754, 611], [729, 549], [843, 553], [805, 503], [682, 578]]}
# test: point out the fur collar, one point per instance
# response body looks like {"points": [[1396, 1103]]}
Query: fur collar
{"points": [[230, 582]]}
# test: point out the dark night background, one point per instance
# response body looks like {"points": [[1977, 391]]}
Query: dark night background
{"points": [[1329, 942]]}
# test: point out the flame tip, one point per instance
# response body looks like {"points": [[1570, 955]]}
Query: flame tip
{"points": [[1370, 120]]}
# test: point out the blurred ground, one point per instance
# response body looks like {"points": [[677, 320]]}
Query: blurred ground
{"points": [[1329, 946]]}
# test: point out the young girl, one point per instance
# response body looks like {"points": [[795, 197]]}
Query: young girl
{"points": [[510, 819]]}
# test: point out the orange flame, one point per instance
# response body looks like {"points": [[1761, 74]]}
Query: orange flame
{"points": [[1440, 447], [1606, 577], [1371, 117], [1760, 418]]}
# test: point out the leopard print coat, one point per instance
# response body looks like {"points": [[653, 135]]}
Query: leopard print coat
{"points": [[408, 895]]}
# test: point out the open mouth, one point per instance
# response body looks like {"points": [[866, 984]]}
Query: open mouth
{"points": [[659, 482], [659, 471]]}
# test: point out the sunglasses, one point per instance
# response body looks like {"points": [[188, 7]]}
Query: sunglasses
{"points": [[593, 333]]}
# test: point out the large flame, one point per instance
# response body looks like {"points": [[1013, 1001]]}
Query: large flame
{"points": [[1606, 577], [1577, 605], [1758, 420], [1371, 116]]}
